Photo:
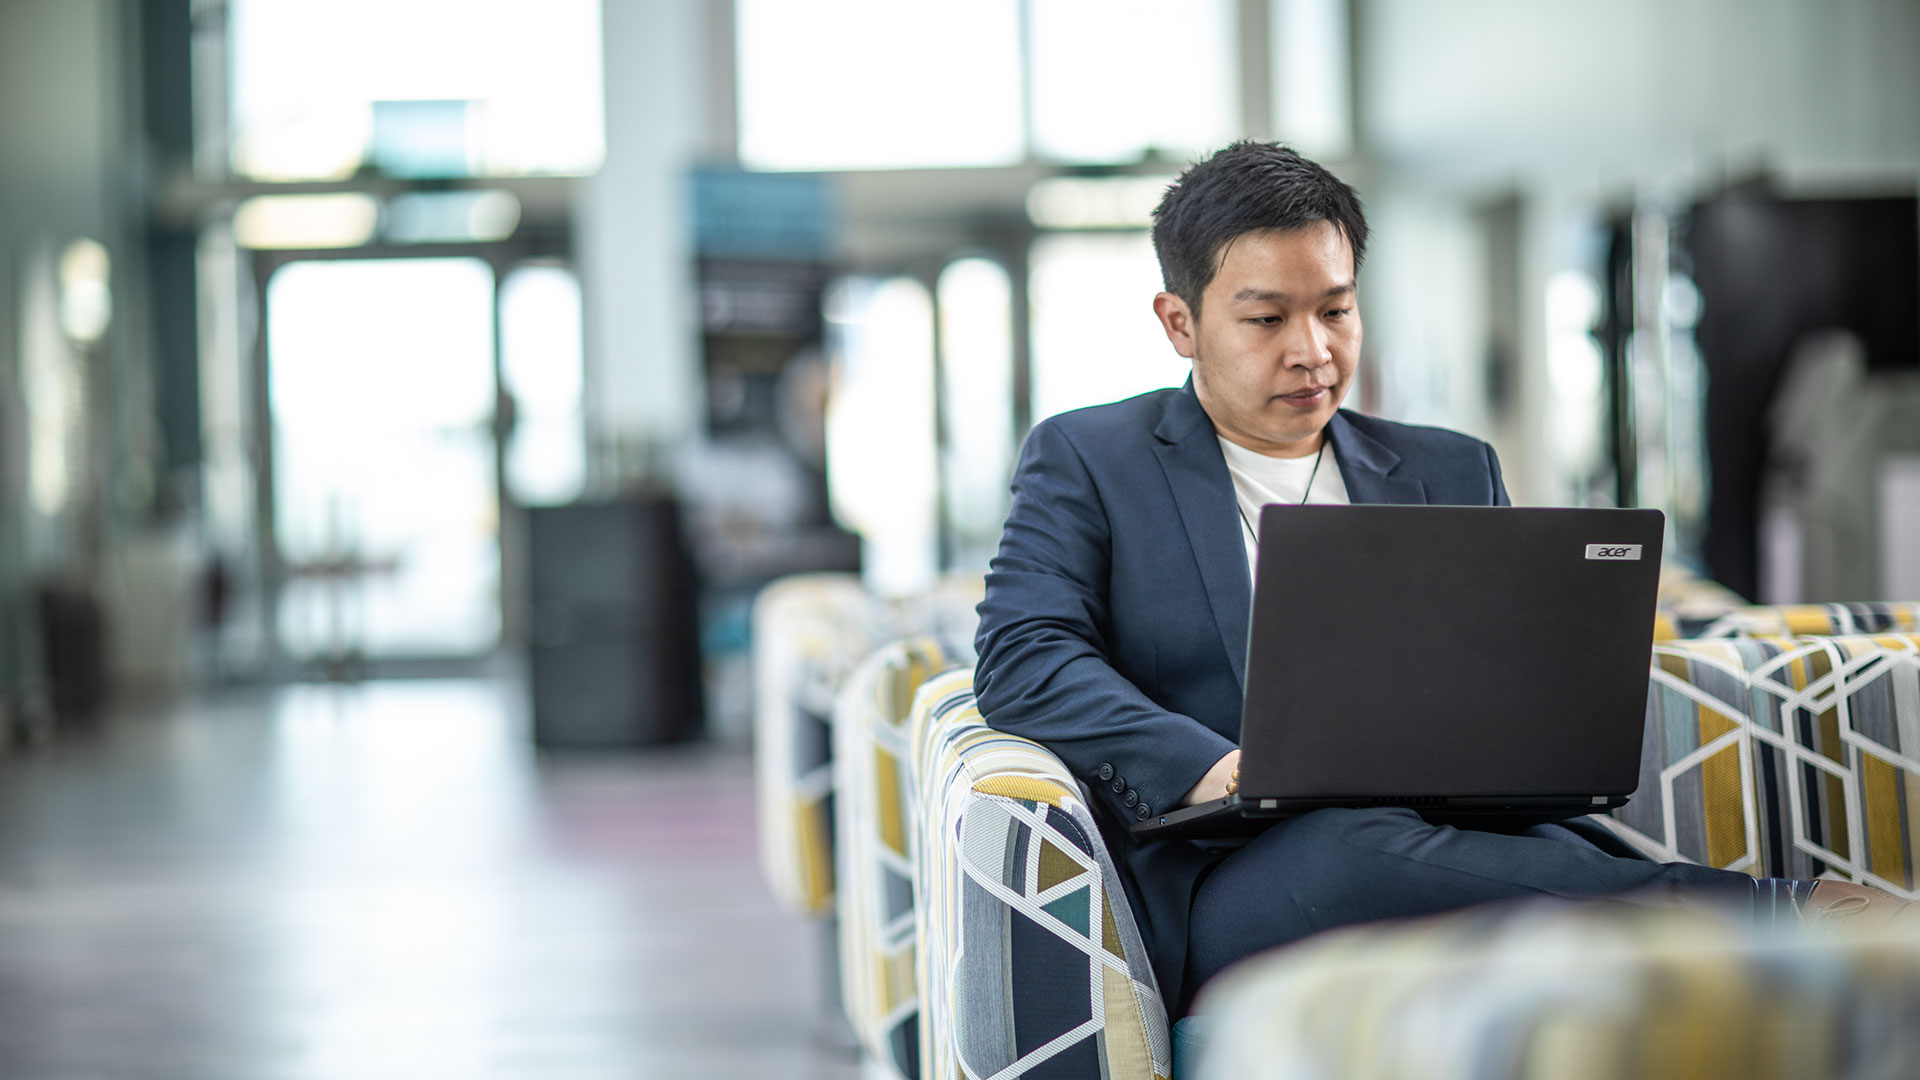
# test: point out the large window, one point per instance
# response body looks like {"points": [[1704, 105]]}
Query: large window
{"points": [[882, 473], [887, 84], [975, 301], [1113, 79], [874, 84], [321, 88], [1095, 337]]}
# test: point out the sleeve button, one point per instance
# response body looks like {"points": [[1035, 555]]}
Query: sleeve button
{"points": [[1130, 797], [1119, 785], [1143, 811], [1106, 771]]}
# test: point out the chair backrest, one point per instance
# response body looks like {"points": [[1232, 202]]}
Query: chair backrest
{"points": [[1786, 757], [1790, 620], [874, 845], [808, 633], [1028, 950]]}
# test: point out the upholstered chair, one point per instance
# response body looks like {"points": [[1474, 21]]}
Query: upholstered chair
{"points": [[1784, 757], [1029, 960]]}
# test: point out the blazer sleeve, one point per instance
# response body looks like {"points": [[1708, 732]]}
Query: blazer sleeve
{"points": [[1499, 485], [1045, 670]]}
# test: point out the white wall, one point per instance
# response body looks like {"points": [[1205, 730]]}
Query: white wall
{"points": [[1582, 104], [1597, 92]]}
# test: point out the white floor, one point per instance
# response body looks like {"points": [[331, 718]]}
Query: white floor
{"points": [[386, 881]]}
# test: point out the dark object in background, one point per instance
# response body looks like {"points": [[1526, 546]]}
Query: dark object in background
{"points": [[73, 632], [615, 650], [1770, 271]]}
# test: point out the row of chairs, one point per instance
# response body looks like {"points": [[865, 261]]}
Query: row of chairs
{"points": [[982, 928]]}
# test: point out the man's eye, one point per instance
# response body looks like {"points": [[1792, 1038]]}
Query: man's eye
{"points": [[1338, 313], [1265, 320]]}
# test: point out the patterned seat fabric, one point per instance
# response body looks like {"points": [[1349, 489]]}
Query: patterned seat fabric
{"points": [[1784, 757], [1029, 957], [874, 845], [808, 633], [1568, 992], [1879, 617]]}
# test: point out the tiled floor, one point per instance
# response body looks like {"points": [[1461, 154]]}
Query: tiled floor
{"points": [[385, 881]]}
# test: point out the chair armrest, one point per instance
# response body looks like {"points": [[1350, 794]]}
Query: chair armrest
{"points": [[1028, 950]]}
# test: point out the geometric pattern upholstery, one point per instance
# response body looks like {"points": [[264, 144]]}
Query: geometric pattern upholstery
{"points": [[874, 846], [809, 631], [1547, 990], [1784, 757], [1793, 620], [1030, 962]]}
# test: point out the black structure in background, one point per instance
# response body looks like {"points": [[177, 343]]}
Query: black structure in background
{"points": [[1614, 330], [615, 642], [1770, 271]]}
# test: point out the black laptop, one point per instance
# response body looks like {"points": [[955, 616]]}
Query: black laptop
{"points": [[1463, 661]]}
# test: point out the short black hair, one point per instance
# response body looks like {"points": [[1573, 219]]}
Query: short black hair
{"points": [[1247, 187]]}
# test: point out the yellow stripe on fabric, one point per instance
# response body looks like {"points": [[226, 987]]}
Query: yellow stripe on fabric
{"points": [[1725, 811], [1806, 619], [1664, 628], [1797, 670], [1125, 1036], [892, 815], [1110, 930], [1880, 799], [1912, 783], [1703, 1025], [816, 855], [1030, 788], [895, 983], [1673, 665]]}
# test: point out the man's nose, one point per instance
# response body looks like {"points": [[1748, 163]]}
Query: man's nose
{"points": [[1305, 346]]}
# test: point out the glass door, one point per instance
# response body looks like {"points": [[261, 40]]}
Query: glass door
{"points": [[386, 505]]}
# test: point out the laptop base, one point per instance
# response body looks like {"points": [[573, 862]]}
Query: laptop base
{"points": [[1240, 816]]}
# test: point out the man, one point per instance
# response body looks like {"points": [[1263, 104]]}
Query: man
{"points": [[1114, 625]]}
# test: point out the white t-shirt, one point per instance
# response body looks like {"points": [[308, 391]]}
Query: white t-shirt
{"points": [[1259, 480]]}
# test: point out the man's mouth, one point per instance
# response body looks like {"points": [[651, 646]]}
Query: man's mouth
{"points": [[1312, 395]]}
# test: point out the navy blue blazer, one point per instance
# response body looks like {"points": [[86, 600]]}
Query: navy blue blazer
{"points": [[1114, 629]]}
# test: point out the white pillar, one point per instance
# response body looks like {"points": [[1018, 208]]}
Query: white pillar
{"points": [[634, 238]]}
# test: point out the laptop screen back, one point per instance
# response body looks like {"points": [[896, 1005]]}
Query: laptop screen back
{"points": [[1410, 651]]}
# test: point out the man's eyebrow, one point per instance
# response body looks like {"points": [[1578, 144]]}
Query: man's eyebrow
{"points": [[1266, 295]]}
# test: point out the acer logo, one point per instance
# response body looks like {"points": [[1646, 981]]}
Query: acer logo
{"points": [[1614, 551]]}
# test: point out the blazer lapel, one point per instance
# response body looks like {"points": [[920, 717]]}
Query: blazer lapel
{"points": [[1366, 465], [1189, 453]]}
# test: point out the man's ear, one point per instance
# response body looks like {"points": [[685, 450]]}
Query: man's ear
{"points": [[1178, 321]]}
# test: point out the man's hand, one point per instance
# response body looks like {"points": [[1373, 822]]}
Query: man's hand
{"points": [[1219, 782]]}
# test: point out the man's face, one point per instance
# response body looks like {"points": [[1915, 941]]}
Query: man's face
{"points": [[1275, 346]]}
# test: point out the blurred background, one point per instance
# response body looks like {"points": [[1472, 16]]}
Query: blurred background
{"points": [[313, 310], [492, 344]]}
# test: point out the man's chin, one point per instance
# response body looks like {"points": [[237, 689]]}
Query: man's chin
{"points": [[1299, 426]]}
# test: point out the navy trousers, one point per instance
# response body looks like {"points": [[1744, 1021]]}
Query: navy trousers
{"points": [[1332, 868]]}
